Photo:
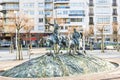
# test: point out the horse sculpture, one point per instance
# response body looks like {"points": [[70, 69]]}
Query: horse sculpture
{"points": [[71, 44], [74, 42], [54, 38]]}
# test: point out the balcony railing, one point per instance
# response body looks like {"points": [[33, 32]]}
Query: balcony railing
{"points": [[91, 23], [76, 14], [62, 7], [48, 0], [114, 4], [10, 1], [114, 14], [115, 22], [61, 1], [91, 14], [91, 4]]}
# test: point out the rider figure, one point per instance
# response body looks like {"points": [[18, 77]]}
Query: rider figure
{"points": [[76, 37]]}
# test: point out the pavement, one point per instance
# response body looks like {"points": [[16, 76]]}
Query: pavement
{"points": [[8, 60]]}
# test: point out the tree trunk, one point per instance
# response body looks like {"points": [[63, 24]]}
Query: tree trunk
{"points": [[11, 45], [20, 57], [117, 44], [30, 41], [83, 43], [102, 43]]}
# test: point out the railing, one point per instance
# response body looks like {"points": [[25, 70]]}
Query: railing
{"points": [[114, 13], [60, 0], [91, 23], [91, 14], [10, 0], [48, 0], [62, 7], [91, 4], [114, 4], [76, 14]]}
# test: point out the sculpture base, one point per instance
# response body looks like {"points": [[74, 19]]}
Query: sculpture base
{"points": [[59, 65]]}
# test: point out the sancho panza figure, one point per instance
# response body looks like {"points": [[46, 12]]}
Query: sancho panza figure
{"points": [[76, 37]]}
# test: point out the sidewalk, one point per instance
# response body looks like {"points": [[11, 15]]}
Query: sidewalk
{"points": [[8, 61]]}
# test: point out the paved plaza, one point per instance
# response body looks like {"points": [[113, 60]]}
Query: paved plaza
{"points": [[7, 61]]}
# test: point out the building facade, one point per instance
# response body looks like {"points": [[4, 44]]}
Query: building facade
{"points": [[69, 14], [104, 14]]}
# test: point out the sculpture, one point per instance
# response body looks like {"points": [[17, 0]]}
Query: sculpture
{"points": [[54, 40]]}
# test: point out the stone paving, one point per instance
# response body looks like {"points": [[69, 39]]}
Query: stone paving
{"points": [[8, 61]]}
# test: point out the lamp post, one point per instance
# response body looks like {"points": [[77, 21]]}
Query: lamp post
{"points": [[16, 37]]}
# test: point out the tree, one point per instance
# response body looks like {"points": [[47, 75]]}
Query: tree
{"points": [[91, 33], [101, 30], [11, 31], [20, 21], [116, 29], [29, 26]]}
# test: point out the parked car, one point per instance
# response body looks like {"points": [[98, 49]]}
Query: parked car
{"points": [[5, 44]]}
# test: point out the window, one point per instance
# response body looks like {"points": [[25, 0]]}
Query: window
{"points": [[28, 5], [114, 19], [40, 5], [48, 6], [66, 27], [62, 28], [40, 12], [114, 1], [76, 13], [48, 13], [91, 20], [41, 28], [107, 29], [29, 12], [103, 10], [102, 2], [114, 11], [62, 12], [76, 20], [40, 20], [77, 5], [104, 19]]}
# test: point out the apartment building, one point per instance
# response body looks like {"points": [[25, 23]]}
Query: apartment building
{"points": [[68, 14], [8, 8], [104, 14]]}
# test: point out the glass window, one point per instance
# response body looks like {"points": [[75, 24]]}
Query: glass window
{"points": [[62, 28], [40, 20], [103, 10], [41, 27], [76, 20], [102, 2], [28, 5], [114, 19], [101, 20], [73, 5], [40, 5], [40, 12], [66, 27]]}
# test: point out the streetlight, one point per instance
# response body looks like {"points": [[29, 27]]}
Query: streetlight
{"points": [[16, 45]]}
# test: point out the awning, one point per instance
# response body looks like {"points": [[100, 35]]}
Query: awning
{"points": [[32, 38]]}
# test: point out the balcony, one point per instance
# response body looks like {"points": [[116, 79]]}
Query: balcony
{"points": [[48, 1], [61, 1], [114, 4], [91, 23], [115, 23], [114, 14], [91, 14], [76, 14], [62, 7], [91, 4], [9, 1]]}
